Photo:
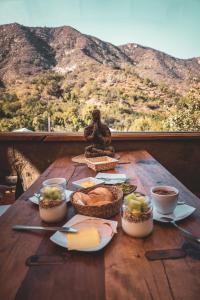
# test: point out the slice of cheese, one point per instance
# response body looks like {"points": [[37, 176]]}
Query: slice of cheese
{"points": [[83, 239]]}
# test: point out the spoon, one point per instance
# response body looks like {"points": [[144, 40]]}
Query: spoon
{"points": [[184, 231], [180, 202]]}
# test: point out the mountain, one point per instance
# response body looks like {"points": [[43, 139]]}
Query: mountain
{"points": [[67, 73], [26, 51], [161, 67]]}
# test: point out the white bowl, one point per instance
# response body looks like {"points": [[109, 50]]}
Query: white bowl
{"points": [[95, 181], [164, 204], [55, 181]]}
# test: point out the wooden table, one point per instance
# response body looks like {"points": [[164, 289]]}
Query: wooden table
{"points": [[120, 271]]}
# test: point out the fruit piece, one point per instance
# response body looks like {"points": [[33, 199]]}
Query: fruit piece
{"points": [[52, 193], [134, 204], [141, 199], [130, 197], [145, 207]]}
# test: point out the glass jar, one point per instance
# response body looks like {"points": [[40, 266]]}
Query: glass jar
{"points": [[137, 221], [52, 203]]}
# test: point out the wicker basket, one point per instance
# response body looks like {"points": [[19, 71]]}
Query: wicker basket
{"points": [[103, 211], [101, 163]]}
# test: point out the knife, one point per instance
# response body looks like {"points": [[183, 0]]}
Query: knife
{"points": [[165, 254], [42, 228], [188, 248]]}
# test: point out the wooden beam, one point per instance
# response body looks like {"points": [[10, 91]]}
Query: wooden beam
{"points": [[122, 136]]}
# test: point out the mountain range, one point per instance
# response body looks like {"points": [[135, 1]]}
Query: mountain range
{"points": [[27, 51]]}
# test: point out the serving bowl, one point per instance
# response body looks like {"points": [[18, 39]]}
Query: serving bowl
{"points": [[104, 211]]}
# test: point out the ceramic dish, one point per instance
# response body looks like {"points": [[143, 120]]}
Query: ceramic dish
{"points": [[181, 212], [35, 199], [92, 180], [60, 238]]}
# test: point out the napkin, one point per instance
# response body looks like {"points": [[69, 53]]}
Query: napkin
{"points": [[112, 178]]}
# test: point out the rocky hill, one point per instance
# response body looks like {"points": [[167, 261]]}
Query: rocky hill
{"points": [[26, 51], [62, 73], [161, 67]]}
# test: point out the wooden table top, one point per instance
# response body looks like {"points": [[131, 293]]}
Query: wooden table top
{"points": [[119, 271]]}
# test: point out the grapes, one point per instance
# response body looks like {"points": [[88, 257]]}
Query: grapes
{"points": [[136, 203], [52, 193]]}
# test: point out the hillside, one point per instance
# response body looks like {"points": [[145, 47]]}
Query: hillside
{"points": [[27, 51], [67, 73], [161, 67]]}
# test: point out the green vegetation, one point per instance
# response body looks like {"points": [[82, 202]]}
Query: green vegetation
{"points": [[127, 102]]}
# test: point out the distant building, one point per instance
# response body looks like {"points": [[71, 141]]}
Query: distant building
{"points": [[22, 130]]}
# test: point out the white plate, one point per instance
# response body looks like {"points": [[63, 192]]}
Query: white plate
{"points": [[92, 179], [181, 212], [35, 199], [60, 239], [110, 178]]}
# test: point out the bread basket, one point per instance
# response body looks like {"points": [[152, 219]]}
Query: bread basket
{"points": [[101, 163], [103, 211]]}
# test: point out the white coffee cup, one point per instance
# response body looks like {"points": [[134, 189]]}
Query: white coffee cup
{"points": [[55, 181], [164, 203]]}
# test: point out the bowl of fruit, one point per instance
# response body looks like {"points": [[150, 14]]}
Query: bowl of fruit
{"points": [[137, 215], [52, 204]]}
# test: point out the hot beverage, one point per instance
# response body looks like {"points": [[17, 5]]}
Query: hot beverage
{"points": [[164, 192], [164, 198]]}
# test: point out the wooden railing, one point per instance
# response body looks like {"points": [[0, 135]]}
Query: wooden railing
{"points": [[125, 136]]}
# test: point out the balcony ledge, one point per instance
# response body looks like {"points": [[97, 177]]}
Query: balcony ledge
{"points": [[126, 136]]}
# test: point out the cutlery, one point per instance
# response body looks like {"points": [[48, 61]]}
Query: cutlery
{"points": [[40, 260], [37, 195], [188, 249], [180, 202], [184, 231], [165, 254], [42, 228]]}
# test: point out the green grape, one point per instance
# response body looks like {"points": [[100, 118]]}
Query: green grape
{"points": [[133, 204], [141, 199], [52, 193]]}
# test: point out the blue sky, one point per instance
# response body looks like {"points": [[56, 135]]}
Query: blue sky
{"points": [[172, 26]]}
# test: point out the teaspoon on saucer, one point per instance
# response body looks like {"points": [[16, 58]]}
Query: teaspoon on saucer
{"points": [[184, 231]]}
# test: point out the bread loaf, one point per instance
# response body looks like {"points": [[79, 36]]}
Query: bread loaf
{"points": [[98, 196]]}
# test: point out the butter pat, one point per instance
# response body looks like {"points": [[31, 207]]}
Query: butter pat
{"points": [[83, 239]]}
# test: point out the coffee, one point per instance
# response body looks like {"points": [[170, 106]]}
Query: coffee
{"points": [[164, 192], [164, 198]]}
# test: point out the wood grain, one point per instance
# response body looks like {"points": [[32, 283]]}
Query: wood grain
{"points": [[121, 270], [118, 136]]}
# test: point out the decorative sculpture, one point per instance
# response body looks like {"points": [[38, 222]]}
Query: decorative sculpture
{"points": [[99, 135]]}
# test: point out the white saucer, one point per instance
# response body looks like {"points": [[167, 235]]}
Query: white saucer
{"points": [[181, 212], [60, 239], [35, 199]]}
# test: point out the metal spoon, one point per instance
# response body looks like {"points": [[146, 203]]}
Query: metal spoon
{"points": [[180, 202], [185, 232], [37, 195]]}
